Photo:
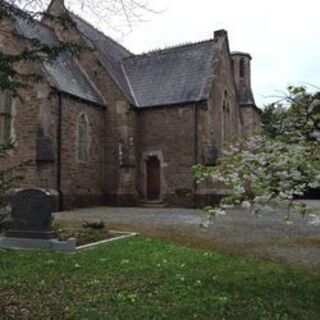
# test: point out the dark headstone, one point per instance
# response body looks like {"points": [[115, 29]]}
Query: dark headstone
{"points": [[31, 215]]}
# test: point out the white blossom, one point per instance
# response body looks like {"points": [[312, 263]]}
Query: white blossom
{"points": [[246, 205]]}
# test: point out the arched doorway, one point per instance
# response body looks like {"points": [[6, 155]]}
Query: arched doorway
{"points": [[153, 178]]}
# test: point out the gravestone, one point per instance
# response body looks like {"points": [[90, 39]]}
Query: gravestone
{"points": [[31, 215]]}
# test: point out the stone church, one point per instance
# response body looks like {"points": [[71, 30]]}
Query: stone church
{"points": [[108, 127]]}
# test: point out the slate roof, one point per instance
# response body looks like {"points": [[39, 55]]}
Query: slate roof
{"points": [[63, 73], [172, 76], [109, 52]]}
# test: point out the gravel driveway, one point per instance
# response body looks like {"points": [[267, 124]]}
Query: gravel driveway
{"points": [[238, 232]]}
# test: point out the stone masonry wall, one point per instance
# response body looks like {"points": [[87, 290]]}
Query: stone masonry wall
{"points": [[82, 183], [120, 123], [26, 107], [222, 121], [224, 124], [167, 132], [251, 119]]}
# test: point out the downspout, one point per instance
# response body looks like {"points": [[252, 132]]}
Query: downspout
{"points": [[195, 148], [59, 145]]}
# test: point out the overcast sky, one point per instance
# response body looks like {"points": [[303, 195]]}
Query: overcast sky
{"points": [[282, 36]]}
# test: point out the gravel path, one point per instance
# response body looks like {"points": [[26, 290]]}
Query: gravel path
{"points": [[239, 232]]}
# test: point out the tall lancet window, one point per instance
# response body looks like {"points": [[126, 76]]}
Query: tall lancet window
{"points": [[82, 138], [6, 116], [242, 68]]}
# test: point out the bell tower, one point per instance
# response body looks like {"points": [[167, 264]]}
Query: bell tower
{"points": [[242, 75]]}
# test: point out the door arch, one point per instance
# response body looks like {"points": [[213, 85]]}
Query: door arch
{"points": [[153, 178]]}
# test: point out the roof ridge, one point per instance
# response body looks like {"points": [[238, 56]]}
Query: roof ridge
{"points": [[170, 48], [99, 31], [89, 80], [133, 95]]}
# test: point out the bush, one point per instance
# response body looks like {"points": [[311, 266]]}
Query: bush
{"points": [[277, 165], [94, 225]]}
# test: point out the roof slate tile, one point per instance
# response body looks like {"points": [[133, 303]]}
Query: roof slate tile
{"points": [[63, 72], [172, 76], [109, 52]]}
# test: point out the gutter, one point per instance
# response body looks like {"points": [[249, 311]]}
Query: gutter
{"points": [[59, 153]]}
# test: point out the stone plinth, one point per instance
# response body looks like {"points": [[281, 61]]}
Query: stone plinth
{"points": [[41, 244]]}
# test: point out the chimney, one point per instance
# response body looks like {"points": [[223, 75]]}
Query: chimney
{"points": [[220, 34]]}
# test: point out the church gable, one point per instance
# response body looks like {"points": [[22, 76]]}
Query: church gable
{"points": [[166, 77], [63, 74], [171, 76], [167, 110], [109, 52]]}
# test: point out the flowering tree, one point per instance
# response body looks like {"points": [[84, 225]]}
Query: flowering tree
{"points": [[276, 165]]}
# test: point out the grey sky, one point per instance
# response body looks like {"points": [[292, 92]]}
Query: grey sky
{"points": [[282, 36]]}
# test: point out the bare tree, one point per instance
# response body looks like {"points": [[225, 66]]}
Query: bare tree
{"points": [[118, 15]]}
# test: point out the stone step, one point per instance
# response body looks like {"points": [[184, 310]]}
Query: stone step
{"points": [[152, 204]]}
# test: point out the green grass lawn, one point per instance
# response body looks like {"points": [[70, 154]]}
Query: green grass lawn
{"points": [[139, 278]]}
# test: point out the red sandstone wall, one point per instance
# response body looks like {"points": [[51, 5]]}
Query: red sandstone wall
{"points": [[26, 111], [223, 81], [251, 120], [168, 133], [82, 183], [120, 123]]}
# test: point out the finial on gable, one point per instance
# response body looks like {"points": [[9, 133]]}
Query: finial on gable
{"points": [[56, 7]]}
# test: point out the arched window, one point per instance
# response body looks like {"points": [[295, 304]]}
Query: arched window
{"points": [[6, 116], [82, 138], [242, 68]]}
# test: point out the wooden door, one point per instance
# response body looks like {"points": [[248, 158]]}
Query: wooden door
{"points": [[153, 178]]}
